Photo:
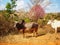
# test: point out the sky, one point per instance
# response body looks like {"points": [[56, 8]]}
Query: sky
{"points": [[54, 5]]}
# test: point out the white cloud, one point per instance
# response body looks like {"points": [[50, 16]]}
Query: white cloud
{"points": [[20, 4], [2, 7]]}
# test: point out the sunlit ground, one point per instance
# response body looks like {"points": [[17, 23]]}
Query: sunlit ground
{"points": [[17, 39], [47, 39]]}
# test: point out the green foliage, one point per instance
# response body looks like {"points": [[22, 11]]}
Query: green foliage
{"points": [[47, 17], [58, 16], [27, 20], [9, 9], [13, 3], [42, 22], [10, 6]]}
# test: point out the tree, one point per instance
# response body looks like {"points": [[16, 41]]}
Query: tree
{"points": [[9, 8], [36, 12]]}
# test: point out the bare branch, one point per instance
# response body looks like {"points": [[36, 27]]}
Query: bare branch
{"points": [[36, 1], [47, 3], [29, 5]]}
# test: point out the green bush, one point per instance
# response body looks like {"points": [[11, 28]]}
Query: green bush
{"points": [[27, 20], [42, 22]]}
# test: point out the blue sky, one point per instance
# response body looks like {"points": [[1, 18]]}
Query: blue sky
{"points": [[23, 4], [54, 7]]}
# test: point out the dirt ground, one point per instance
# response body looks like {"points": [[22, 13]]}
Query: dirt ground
{"points": [[47, 39]]}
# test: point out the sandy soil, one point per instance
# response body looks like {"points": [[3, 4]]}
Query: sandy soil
{"points": [[48, 39]]}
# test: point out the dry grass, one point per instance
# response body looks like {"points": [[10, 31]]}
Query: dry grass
{"points": [[46, 39]]}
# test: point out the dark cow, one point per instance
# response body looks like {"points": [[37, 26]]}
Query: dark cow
{"points": [[33, 27], [20, 26]]}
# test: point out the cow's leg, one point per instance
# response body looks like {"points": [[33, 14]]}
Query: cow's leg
{"points": [[24, 32], [55, 32], [34, 32]]}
